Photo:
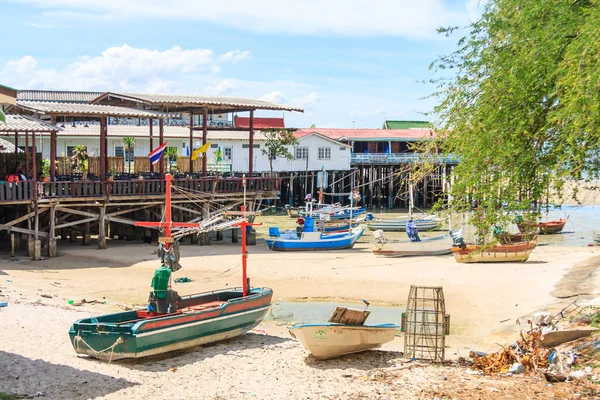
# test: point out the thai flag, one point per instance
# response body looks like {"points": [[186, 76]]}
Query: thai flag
{"points": [[157, 153]]}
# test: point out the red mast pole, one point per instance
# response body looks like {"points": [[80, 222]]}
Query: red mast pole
{"points": [[168, 179]]}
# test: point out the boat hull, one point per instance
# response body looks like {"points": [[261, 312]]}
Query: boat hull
{"points": [[333, 242], [327, 341], [390, 225], [106, 338], [517, 252], [545, 228], [427, 247]]}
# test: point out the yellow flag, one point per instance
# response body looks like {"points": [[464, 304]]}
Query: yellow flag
{"points": [[202, 149]]}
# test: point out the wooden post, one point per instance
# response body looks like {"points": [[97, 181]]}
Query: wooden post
{"points": [[26, 155], [12, 244], [53, 154], [34, 151], [161, 131], [102, 228], [204, 140], [102, 149], [391, 189], [16, 146], [192, 143], [51, 232], [251, 146], [151, 144], [291, 192]]}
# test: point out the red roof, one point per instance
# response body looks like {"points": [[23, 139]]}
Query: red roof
{"points": [[259, 123], [357, 134]]}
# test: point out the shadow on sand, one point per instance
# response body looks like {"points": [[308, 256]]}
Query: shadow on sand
{"points": [[26, 377], [365, 361], [176, 359]]}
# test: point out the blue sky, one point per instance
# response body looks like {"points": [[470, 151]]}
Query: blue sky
{"points": [[348, 63]]}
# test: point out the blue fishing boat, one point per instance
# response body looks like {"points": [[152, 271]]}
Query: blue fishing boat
{"points": [[307, 241]]}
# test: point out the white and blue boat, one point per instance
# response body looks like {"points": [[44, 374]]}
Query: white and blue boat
{"points": [[307, 241]]}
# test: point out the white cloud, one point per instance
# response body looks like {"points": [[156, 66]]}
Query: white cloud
{"points": [[274, 97], [222, 88], [399, 18], [21, 66], [125, 68], [373, 113], [475, 8], [234, 56], [310, 100]]}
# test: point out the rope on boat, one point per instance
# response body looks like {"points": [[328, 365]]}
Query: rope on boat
{"points": [[120, 340]]}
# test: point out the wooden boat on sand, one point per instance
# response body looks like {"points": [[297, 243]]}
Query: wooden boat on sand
{"points": [[399, 225], [171, 322], [310, 241], [199, 319], [507, 238], [515, 252], [434, 246], [546, 228], [347, 336]]}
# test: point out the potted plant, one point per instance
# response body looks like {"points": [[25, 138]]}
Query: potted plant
{"points": [[79, 160], [111, 175], [129, 143], [45, 169]]}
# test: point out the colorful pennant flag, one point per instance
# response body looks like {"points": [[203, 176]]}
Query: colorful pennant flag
{"points": [[3, 118], [202, 149], [156, 154]]}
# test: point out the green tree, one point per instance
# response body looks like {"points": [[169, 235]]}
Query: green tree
{"points": [[171, 153], [79, 160], [129, 144], [519, 103], [276, 144]]}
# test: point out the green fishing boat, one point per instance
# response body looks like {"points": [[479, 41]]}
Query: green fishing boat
{"points": [[172, 322], [200, 319]]}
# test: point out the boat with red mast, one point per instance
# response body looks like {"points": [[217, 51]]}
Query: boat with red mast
{"points": [[172, 322]]}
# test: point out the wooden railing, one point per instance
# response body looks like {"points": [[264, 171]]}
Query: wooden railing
{"points": [[20, 191], [23, 191]]}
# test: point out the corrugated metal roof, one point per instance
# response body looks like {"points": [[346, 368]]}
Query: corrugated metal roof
{"points": [[193, 100], [24, 123], [259, 122], [85, 109], [61, 96], [144, 131], [390, 124], [7, 147], [370, 134]]}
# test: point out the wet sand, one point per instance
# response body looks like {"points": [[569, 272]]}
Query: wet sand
{"points": [[484, 301]]}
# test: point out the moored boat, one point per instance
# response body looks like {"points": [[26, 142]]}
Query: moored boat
{"points": [[514, 252], [171, 322], [329, 340], [345, 333], [307, 241], [399, 225], [199, 319], [545, 228], [434, 246]]}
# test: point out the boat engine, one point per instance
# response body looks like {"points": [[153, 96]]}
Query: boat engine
{"points": [[379, 237]]}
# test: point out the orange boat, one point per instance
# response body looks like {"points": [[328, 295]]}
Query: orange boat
{"points": [[546, 228], [500, 253]]}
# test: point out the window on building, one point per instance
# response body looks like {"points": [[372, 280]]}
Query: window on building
{"points": [[342, 148], [214, 145], [247, 146], [324, 153], [227, 153], [71, 150], [301, 153], [121, 151]]}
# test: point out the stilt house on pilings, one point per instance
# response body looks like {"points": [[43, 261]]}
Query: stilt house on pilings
{"points": [[95, 199]]}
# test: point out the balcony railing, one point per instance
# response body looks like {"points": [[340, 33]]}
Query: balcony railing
{"points": [[23, 191], [396, 158]]}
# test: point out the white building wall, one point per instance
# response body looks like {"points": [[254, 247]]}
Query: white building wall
{"points": [[339, 160]]}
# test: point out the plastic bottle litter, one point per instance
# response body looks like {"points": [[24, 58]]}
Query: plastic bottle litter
{"points": [[71, 302], [517, 368]]}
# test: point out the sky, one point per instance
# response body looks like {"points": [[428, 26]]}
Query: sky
{"points": [[348, 63]]}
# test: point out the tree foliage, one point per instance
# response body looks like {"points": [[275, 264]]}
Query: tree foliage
{"points": [[519, 104], [276, 144], [129, 143]]}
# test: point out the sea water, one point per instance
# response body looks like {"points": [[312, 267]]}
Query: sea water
{"points": [[320, 311]]}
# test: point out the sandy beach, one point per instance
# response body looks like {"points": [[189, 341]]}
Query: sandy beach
{"points": [[484, 302]]}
